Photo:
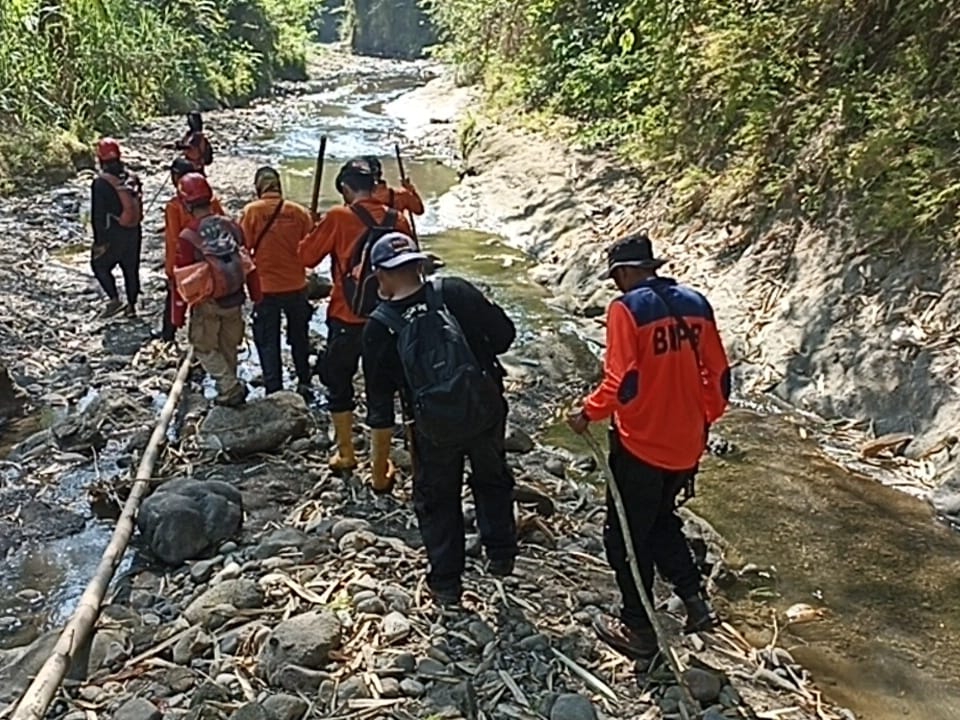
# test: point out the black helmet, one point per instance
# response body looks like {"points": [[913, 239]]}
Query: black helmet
{"points": [[181, 166], [376, 166], [358, 167]]}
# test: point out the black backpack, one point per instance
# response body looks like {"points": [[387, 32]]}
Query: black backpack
{"points": [[359, 282], [453, 399]]}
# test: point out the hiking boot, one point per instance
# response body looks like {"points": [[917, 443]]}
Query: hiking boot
{"points": [[112, 308], [700, 615], [234, 398], [501, 567], [637, 644], [130, 310], [446, 597]]}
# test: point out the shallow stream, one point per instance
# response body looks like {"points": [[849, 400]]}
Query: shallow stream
{"points": [[884, 573]]}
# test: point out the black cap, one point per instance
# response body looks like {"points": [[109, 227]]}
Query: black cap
{"points": [[632, 251], [357, 167], [181, 166], [375, 166]]}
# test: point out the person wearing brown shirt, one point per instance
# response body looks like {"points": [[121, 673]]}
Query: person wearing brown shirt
{"points": [[340, 229], [272, 229]]}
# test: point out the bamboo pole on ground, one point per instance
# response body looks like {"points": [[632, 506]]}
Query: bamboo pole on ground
{"points": [[79, 629], [665, 648]]}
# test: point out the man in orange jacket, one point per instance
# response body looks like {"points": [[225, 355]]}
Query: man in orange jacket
{"points": [[404, 199], [666, 379], [216, 325], [272, 229], [337, 235], [176, 217]]}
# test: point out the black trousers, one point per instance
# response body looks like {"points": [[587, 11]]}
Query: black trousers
{"points": [[125, 253], [437, 488], [339, 363], [267, 318], [167, 330], [649, 496]]}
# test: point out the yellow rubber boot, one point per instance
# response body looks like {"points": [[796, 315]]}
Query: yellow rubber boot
{"points": [[345, 458], [382, 470]]}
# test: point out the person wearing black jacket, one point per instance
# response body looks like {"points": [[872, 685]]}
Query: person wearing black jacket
{"points": [[113, 243], [438, 470]]}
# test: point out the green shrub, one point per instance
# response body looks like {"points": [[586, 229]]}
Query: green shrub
{"points": [[90, 66], [818, 107]]}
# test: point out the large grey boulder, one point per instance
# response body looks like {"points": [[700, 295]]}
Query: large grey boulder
{"points": [[259, 426], [186, 519], [304, 641]]}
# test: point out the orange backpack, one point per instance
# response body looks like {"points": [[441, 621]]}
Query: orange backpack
{"points": [[130, 192], [224, 266]]}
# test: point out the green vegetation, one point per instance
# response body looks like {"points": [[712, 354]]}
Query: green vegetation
{"points": [[75, 67], [817, 108]]}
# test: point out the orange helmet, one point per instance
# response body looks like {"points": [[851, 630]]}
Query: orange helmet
{"points": [[194, 189], [108, 150]]}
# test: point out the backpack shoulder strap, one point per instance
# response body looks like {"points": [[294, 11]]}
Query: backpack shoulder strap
{"points": [[390, 219], [192, 237], [389, 317], [266, 228], [364, 215], [435, 294]]}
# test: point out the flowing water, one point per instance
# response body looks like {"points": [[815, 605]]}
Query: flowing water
{"points": [[885, 575]]}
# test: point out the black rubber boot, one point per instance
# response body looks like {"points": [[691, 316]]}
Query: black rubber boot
{"points": [[501, 567]]}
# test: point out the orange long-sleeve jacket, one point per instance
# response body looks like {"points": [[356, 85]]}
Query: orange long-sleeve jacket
{"points": [[275, 251], [402, 199], [662, 396], [335, 235], [176, 218]]}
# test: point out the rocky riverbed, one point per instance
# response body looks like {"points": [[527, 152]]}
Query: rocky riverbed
{"points": [[307, 599]]}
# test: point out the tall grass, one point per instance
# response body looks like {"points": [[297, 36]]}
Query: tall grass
{"points": [[85, 66]]}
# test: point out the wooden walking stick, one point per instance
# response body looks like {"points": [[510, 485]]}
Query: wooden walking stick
{"points": [[318, 176], [662, 640], [78, 631], [403, 179]]}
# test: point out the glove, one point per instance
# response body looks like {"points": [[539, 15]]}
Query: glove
{"points": [[383, 473]]}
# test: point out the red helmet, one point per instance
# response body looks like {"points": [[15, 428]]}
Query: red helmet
{"points": [[108, 150], [194, 189]]}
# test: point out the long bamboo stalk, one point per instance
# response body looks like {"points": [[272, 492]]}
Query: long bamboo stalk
{"points": [[662, 639], [78, 630]]}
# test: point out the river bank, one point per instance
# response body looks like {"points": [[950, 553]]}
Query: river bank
{"points": [[313, 541], [778, 305], [815, 317]]}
